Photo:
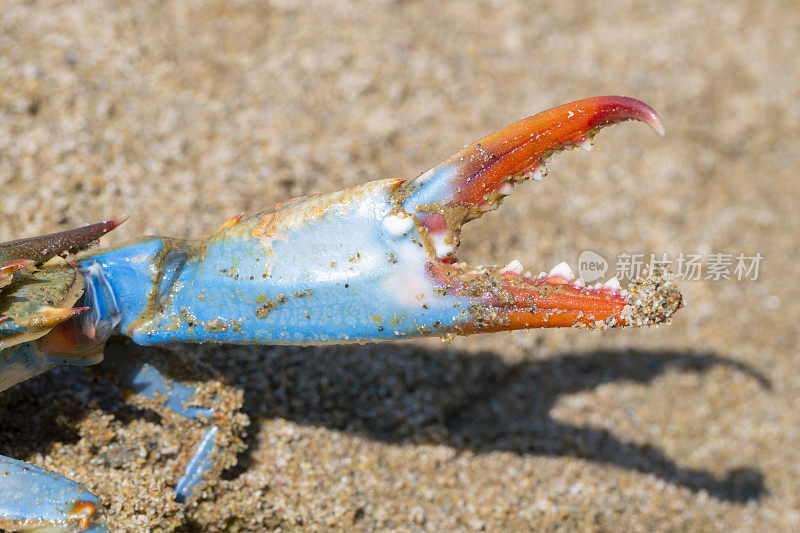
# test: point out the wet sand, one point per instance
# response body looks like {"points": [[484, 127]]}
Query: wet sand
{"points": [[181, 116]]}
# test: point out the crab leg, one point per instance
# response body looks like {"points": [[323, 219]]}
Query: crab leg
{"points": [[378, 261], [40, 249], [191, 390], [33, 498]]}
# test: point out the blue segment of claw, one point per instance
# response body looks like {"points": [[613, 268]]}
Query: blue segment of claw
{"points": [[32, 497]]}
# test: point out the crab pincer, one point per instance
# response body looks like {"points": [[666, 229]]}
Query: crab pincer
{"points": [[477, 178], [377, 261]]}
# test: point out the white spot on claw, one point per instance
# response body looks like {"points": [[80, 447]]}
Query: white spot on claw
{"points": [[398, 224]]}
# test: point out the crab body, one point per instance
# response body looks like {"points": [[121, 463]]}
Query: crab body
{"points": [[372, 263]]}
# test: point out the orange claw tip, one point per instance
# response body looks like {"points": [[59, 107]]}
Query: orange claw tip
{"points": [[113, 224], [231, 222], [82, 512], [612, 109]]}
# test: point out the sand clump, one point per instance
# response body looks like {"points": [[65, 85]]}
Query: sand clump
{"points": [[653, 298]]}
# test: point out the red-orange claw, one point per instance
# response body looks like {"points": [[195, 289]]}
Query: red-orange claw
{"points": [[506, 299], [473, 179], [525, 145]]}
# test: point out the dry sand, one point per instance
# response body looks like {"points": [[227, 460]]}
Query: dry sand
{"points": [[181, 114]]}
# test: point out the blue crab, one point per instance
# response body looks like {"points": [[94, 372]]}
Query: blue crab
{"points": [[372, 263]]}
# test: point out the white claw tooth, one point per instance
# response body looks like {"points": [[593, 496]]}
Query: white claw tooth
{"points": [[398, 224], [442, 248], [624, 292], [579, 283], [505, 189], [562, 270], [585, 144], [542, 274], [597, 285], [514, 267], [527, 274], [538, 174], [612, 284]]}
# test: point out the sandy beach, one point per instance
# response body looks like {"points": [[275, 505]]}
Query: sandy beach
{"points": [[181, 115]]}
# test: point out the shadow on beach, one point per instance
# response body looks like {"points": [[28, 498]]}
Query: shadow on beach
{"points": [[402, 393]]}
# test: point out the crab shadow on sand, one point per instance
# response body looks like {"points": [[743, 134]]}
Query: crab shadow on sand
{"points": [[407, 393], [404, 393]]}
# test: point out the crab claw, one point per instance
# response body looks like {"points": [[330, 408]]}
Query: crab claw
{"points": [[377, 261], [477, 178]]}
